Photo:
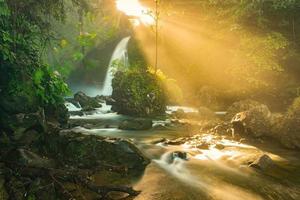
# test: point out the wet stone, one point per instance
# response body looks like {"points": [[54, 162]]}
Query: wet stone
{"points": [[219, 146], [203, 145], [179, 154], [262, 163]]}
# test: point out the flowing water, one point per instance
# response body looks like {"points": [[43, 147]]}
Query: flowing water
{"points": [[207, 173], [119, 56]]}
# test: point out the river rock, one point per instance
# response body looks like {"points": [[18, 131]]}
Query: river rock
{"points": [[179, 113], [20, 123], [136, 124], [86, 101], [255, 122], [159, 140], [78, 113], [241, 106], [287, 128], [87, 108], [170, 158], [77, 149], [100, 98], [262, 163], [110, 101], [223, 129], [180, 154], [203, 145], [58, 113], [219, 146], [177, 141]]}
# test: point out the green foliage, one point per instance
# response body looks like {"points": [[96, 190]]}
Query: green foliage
{"points": [[23, 36], [79, 35], [86, 39], [250, 48], [50, 87], [138, 92], [257, 56]]}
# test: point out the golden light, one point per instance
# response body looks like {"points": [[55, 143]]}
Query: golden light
{"points": [[134, 9]]}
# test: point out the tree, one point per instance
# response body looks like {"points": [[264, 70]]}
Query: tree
{"points": [[25, 32]]}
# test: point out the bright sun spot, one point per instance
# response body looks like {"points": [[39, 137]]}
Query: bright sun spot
{"points": [[134, 9]]}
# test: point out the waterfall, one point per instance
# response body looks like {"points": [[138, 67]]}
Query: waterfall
{"points": [[121, 57]]}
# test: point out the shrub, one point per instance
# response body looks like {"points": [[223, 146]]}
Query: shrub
{"points": [[138, 92]]}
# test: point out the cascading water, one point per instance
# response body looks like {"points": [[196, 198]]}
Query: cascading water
{"points": [[121, 57]]}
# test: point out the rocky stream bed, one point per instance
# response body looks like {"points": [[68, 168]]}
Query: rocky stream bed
{"points": [[187, 154]]}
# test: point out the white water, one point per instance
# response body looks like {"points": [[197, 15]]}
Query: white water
{"points": [[71, 107], [185, 109], [207, 174], [121, 57]]}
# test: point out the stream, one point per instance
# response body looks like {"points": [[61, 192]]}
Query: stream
{"points": [[206, 173]]}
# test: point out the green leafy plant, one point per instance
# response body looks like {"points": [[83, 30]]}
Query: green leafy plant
{"points": [[138, 92]]}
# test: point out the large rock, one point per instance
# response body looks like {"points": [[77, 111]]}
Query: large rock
{"points": [[287, 128], [15, 104], [255, 121], [262, 163], [241, 106], [81, 150], [59, 113], [17, 125], [136, 124], [172, 156], [86, 101], [28, 158]]}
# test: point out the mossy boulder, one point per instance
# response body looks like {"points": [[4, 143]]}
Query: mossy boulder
{"points": [[57, 112], [138, 92], [136, 124], [86, 101], [241, 106], [255, 121], [81, 150], [17, 125], [24, 157]]}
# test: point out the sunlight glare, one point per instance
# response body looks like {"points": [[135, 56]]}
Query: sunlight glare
{"points": [[214, 154], [134, 8]]}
